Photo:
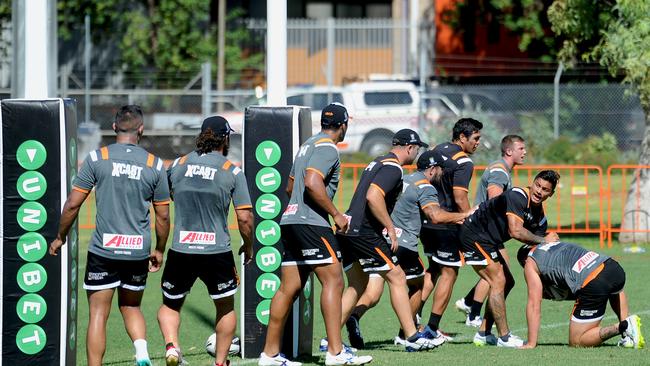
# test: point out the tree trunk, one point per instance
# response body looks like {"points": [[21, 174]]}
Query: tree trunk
{"points": [[637, 207]]}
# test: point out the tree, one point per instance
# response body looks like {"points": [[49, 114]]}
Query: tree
{"points": [[615, 33]]}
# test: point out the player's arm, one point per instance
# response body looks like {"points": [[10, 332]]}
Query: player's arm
{"points": [[245, 222], [289, 189], [377, 206], [68, 215], [517, 230], [534, 304], [461, 197], [494, 190], [161, 211], [437, 215], [315, 188]]}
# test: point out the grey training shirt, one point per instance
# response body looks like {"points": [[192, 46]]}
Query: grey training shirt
{"points": [[127, 179], [202, 187], [318, 154], [417, 193], [496, 174]]}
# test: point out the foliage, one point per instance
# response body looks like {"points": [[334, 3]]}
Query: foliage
{"points": [[537, 130]]}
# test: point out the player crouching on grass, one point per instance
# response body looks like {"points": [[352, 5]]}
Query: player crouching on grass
{"points": [[203, 183], [565, 271]]}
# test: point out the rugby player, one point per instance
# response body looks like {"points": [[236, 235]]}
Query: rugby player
{"points": [[309, 242], [566, 271], [517, 213], [495, 180], [202, 184], [365, 248], [127, 180], [418, 197], [440, 241]]}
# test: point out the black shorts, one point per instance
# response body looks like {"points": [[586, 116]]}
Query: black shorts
{"points": [[309, 245], [372, 252], [410, 262], [592, 298], [442, 246], [476, 252], [103, 273], [217, 271]]}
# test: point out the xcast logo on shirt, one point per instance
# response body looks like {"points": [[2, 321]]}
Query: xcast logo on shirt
{"points": [[204, 172], [197, 237], [131, 171], [122, 241]]}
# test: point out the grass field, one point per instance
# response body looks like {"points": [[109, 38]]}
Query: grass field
{"points": [[379, 326]]}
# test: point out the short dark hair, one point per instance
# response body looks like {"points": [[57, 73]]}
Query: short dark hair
{"points": [[128, 118], [508, 141], [466, 127], [550, 176], [522, 253], [208, 141]]}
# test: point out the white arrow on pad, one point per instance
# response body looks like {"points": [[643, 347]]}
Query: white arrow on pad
{"points": [[31, 153], [268, 152]]}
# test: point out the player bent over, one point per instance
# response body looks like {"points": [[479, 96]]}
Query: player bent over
{"points": [[309, 242], [203, 183], [127, 180], [365, 248], [495, 180], [418, 197], [518, 213], [566, 271]]}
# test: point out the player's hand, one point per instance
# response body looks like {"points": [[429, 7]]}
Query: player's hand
{"points": [[55, 245], [247, 251], [528, 346], [155, 261], [342, 223], [394, 244], [551, 237]]}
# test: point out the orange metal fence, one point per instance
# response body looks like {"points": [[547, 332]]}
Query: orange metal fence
{"points": [[583, 203]]}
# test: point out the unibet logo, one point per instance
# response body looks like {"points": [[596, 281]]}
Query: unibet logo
{"points": [[31, 308], [204, 172], [268, 259], [268, 206], [268, 180], [131, 171], [31, 185], [31, 277], [268, 153], [267, 232], [31, 216], [31, 155], [263, 311], [267, 284], [31, 339], [31, 247]]}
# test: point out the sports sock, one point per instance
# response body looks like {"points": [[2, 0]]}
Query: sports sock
{"points": [[141, 352], [505, 337], [476, 309], [482, 333], [400, 333], [469, 298], [622, 326], [434, 321], [413, 338]]}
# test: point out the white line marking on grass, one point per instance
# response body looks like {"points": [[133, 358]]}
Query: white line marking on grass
{"points": [[245, 362], [463, 338]]}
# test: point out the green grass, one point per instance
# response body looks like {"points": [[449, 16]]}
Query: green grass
{"points": [[379, 326]]}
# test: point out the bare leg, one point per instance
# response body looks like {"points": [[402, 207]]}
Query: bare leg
{"points": [[357, 282], [618, 302], [331, 278], [292, 280], [399, 299], [129, 302], [99, 303], [169, 320], [370, 297], [493, 274], [226, 323], [590, 334]]}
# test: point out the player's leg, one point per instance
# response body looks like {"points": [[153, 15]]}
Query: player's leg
{"points": [[442, 294], [430, 279], [357, 282], [133, 275], [618, 302], [480, 292], [370, 297], [493, 274], [331, 279], [99, 304], [225, 325], [399, 298], [293, 278], [488, 321]]}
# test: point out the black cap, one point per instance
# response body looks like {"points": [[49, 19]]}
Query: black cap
{"points": [[334, 115], [428, 159], [407, 137], [218, 124]]}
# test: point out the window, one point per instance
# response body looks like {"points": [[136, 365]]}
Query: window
{"points": [[387, 98]]}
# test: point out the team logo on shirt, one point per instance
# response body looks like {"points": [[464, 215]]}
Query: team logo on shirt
{"points": [[584, 261], [291, 210], [204, 172], [128, 170], [197, 237], [120, 241]]}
